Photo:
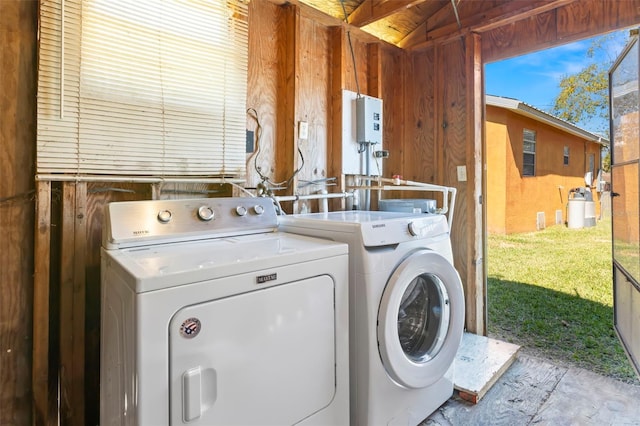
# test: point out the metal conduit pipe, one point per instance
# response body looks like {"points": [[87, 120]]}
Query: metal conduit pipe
{"points": [[408, 185], [312, 196]]}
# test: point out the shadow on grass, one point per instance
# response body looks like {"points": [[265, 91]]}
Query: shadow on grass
{"points": [[559, 326]]}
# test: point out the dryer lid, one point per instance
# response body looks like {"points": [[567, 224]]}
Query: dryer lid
{"points": [[160, 266]]}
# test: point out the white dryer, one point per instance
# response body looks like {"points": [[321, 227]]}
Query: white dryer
{"points": [[406, 310], [212, 317]]}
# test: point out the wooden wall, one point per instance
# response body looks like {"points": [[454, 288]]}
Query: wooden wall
{"points": [[17, 159], [428, 100], [299, 64]]}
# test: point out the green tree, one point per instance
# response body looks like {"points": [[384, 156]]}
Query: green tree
{"points": [[584, 96]]}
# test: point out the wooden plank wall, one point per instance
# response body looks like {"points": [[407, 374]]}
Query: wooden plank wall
{"points": [[17, 209], [312, 107], [262, 88], [441, 135], [298, 68]]}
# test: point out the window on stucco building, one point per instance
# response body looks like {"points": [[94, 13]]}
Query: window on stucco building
{"points": [[529, 153], [565, 160]]}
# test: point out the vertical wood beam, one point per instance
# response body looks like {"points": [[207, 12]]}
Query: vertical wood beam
{"points": [[458, 101], [476, 296], [79, 300], [72, 302], [439, 124], [40, 368], [374, 74], [286, 142], [18, 65], [338, 59], [66, 302]]}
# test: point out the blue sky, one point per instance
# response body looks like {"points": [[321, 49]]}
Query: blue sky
{"points": [[535, 78]]}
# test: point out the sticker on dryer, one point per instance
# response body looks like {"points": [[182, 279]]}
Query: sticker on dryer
{"points": [[190, 328]]}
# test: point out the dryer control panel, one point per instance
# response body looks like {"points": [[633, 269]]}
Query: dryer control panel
{"points": [[376, 228], [400, 229], [138, 223]]}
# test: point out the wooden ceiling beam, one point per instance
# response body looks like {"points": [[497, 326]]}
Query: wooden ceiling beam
{"points": [[415, 37], [445, 13], [513, 14], [419, 34], [504, 14], [372, 10]]}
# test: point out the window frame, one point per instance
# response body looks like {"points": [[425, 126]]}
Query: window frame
{"points": [[100, 115], [529, 137]]}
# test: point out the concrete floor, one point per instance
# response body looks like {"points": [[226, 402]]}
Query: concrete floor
{"points": [[535, 392]]}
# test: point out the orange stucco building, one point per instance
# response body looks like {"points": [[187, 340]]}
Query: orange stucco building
{"points": [[533, 160]]}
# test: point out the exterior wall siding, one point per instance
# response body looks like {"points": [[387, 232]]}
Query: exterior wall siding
{"points": [[548, 190], [498, 154]]}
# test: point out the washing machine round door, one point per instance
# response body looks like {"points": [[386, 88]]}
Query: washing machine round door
{"points": [[420, 319]]}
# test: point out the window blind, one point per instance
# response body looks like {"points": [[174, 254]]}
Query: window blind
{"points": [[142, 87]]}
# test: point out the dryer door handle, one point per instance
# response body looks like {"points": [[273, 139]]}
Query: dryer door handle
{"points": [[192, 394]]}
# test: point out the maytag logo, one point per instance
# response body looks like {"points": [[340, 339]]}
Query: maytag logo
{"points": [[141, 232], [379, 225], [261, 279]]}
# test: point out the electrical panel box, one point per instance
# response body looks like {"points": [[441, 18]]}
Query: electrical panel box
{"points": [[369, 120], [360, 158]]}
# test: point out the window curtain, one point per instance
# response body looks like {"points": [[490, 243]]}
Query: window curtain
{"points": [[142, 87]]}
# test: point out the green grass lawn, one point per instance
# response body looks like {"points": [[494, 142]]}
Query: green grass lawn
{"points": [[551, 292]]}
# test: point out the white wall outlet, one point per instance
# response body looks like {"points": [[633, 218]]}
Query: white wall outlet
{"points": [[462, 173], [303, 130]]}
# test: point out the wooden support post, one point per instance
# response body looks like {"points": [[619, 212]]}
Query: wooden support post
{"points": [[476, 289], [40, 368], [286, 142], [72, 302], [440, 124], [458, 96], [374, 75], [334, 150], [24, 377]]}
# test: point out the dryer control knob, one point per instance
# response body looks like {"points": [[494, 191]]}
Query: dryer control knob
{"points": [[206, 213], [258, 209], [241, 210], [416, 230], [164, 216]]}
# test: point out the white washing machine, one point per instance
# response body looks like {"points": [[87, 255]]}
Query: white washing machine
{"points": [[210, 316], [406, 310]]}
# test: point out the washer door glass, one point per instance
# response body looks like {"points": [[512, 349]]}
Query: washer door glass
{"points": [[423, 317], [420, 319]]}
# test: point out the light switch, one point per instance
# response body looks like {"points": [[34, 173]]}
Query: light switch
{"points": [[303, 130], [462, 173]]}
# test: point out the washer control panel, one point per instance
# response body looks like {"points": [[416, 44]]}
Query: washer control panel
{"points": [[131, 223]]}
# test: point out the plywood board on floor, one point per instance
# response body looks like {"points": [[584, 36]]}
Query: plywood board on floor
{"points": [[479, 364], [534, 391], [514, 400], [586, 398]]}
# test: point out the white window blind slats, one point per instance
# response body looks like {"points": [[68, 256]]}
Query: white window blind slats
{"points": [[150, 88]]}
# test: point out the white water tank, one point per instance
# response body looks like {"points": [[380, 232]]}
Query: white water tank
{"points": [[589, 214], [575, 211]]}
